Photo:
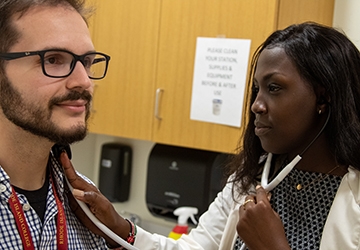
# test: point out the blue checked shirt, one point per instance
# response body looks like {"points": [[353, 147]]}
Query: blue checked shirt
{"points": [[43, 235]]}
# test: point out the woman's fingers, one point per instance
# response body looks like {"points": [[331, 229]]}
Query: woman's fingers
{"points": [[259, 226], [74, 179], [98, 204], [249, 202], [262, 195]]}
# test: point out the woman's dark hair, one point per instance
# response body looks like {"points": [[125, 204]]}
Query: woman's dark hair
{"points": [[326, 59]]}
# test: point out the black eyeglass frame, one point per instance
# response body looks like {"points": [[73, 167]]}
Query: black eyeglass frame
{"points": [[15, 55]]}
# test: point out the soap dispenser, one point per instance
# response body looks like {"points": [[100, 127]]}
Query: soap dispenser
{"points": [[182, 226]]}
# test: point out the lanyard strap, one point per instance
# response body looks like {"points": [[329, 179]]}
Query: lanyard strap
{"points": [[21, 223], [23, 227], [61, 231]]}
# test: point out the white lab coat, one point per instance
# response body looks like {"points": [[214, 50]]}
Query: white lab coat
{"points": [[217, 227], [342, 227]]}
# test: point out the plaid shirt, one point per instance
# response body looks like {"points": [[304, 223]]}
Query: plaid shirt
{"points": [[43, 234]]}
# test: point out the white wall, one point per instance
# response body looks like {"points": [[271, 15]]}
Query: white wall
{"points": [[86, 154], [346, 17], [86, 159]]}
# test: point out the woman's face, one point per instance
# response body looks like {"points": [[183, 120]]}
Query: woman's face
{"points": [[285, 108]]}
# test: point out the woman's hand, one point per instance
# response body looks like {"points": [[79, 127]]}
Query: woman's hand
{"points": [[259, 226], [98, 204]]}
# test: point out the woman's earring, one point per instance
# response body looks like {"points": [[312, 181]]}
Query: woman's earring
{"points": [[320, 111]]}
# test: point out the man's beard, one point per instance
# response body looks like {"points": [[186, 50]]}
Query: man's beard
{"points": [[36, 119]]}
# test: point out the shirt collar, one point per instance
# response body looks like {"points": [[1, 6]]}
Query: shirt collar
{"points": [[58, 175], [56, 170]]}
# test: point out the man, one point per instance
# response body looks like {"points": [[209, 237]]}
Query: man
{"points": [[47, 64]]}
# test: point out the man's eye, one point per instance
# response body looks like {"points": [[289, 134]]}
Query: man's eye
{"points": [[89, 61], [53, 60]]}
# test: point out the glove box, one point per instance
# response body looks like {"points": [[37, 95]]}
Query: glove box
{"points": [[179, 177]]}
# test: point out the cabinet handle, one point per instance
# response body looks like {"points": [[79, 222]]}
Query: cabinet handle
{"points": [[157, 101]]}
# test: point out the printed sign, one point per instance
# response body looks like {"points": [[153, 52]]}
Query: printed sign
{"points": [[219, 80]]}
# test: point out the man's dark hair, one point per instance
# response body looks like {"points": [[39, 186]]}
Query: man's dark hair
{"points": [[9, 8]]}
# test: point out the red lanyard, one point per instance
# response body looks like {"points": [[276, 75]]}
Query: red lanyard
{"points": [[23, 228]]}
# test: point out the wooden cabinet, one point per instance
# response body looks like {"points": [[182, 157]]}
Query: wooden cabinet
{"points": [[123, 101], [152, 44]]}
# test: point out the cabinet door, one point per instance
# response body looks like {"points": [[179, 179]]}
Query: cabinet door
{"points": [[124, 100], [297, 11], [182, 21]]}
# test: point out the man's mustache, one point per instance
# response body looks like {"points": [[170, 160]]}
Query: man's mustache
{"points": [[72, 96]]}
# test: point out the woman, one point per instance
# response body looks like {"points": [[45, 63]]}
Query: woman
{"points": [[304, 104], [302, 76]]}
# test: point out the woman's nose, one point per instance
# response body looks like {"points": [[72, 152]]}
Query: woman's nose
{"points": [[258, 106]]}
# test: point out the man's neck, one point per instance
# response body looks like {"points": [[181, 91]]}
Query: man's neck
{"points": [[24, 158]]}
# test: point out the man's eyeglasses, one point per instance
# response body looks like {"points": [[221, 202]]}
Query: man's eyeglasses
{"points": [[59, 63]]}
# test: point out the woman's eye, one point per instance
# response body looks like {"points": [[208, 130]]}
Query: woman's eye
{"points": [[255, 89], [273, 88]]}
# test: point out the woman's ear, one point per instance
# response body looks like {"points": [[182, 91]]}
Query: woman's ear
{"points": [[323, 100], [322, 105]]}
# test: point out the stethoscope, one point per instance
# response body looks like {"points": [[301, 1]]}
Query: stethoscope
{"points": [[286, 170], [100, 225], [57, 149], [264, 183]]}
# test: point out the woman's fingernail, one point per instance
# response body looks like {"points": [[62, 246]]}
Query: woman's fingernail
{"points": [[78, 193], [257, 187]]}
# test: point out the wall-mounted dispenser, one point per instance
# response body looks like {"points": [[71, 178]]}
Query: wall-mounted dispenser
{"points": [[115, 171], [179, 177]]}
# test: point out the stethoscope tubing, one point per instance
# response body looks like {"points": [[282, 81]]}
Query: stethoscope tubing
{"points": [[286, 170], [100, 225]]}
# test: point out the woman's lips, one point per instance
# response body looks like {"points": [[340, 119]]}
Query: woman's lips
{"points": [[259, 131], [261, 128]]}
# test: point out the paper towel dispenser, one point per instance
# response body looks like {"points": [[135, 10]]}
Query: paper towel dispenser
{"points": [[180, 176]]}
